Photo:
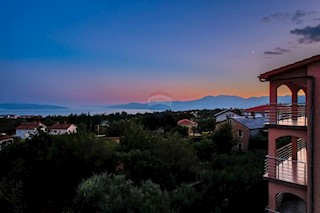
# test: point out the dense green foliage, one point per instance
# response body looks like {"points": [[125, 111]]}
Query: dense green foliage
{"points": [[224, 138], [145, 172], [45, 170], [105, 193]]}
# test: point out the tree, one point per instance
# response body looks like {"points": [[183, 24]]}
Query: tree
{"points": [[204, 149], [42, 173], [109, 193], [224, 139]]}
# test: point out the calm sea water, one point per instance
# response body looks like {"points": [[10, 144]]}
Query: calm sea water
{"points": [[64, 112]]}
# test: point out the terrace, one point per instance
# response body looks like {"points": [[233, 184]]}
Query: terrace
{"points": [[283, 168], [294, 115]]}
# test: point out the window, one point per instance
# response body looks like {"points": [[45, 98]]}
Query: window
{"points": [[240, 133]]}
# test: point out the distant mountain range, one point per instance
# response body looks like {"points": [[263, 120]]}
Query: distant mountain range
{"points": [[208, 102], [30, 106]]}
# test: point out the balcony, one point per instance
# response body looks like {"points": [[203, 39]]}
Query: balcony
{"points": [[283, 168], [287, 115]]}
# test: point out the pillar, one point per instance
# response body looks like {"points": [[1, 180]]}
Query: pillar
{"points": [[294, 100], [272, 199], [273, 103], [294, 144]]}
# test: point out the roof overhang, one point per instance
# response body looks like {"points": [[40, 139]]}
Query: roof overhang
{"points": [[295, 66]]}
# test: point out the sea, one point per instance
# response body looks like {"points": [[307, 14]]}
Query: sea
{"points": [[68, 111]]}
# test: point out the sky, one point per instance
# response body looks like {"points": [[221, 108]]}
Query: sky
{"points": [[80, 52]]}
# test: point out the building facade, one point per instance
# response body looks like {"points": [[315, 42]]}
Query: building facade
{"points": [[5, 140], [294, 169], [191, 125], [60, 129], [224, 115], [244, 129], [27, 130]]}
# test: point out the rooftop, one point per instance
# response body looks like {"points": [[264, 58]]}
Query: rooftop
{"points": [[224, 111], [295, 66], [29, 126], [4, 137], [187, 122], [252, 123], [60, 126]]}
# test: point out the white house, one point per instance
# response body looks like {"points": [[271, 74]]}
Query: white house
{"points": [[26, 130], [224, 115], [5, 140], [60, 129]]}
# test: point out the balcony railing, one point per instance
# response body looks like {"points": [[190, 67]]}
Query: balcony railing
{"points": [[285, 152], [284, 168], [267, 210], [292, 171], [287, 114]]}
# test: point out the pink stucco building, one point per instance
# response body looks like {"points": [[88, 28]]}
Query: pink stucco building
{"points": [[294, 169]]}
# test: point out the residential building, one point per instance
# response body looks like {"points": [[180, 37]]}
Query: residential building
{"points": [[60, 129], [246, 129], [293, 170], [9, 116], [224, 115], [26, 130], [257, 111], [191, 125], [5, 140]]}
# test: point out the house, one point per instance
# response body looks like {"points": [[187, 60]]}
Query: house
{"points": [[9, 116], [105, 123], [246, 129], [191, 125], [224, 115], [26, 130], [60, 129], [5, 140], [293, 170], [257, 111]]}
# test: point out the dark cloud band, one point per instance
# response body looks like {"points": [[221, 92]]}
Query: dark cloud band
{"points": [[297, 17], [309, 34], [277, 51]]}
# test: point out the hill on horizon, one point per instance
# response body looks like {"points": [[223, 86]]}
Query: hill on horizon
{"points": [[207, 102], [29, 106]]}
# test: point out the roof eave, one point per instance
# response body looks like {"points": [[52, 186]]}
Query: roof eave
{"points": [[297, 65]]}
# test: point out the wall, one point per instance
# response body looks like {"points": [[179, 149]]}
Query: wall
{"points": [[246, 134]]}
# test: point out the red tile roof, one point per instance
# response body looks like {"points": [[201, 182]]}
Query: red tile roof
{"points": [[296, 65], [60, 126], [29, 125], [261, 108], [187, 122], [4, 137]]}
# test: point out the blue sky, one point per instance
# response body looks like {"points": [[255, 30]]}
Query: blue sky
{"points": [[105, 52]]}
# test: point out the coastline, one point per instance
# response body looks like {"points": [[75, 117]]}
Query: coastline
{"points": [[66, 112]]}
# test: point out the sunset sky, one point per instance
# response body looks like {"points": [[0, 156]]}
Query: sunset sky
{"points": [[76, 52]]}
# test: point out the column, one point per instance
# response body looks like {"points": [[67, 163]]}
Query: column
{"points": [[272, 200], [272, 162], [294, 100], [273, 103], [294, 147]]}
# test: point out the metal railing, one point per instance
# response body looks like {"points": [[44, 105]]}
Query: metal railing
{"points": [[282, 167], [270, 210], [285, 152], [287, 170], [287, 114]]}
